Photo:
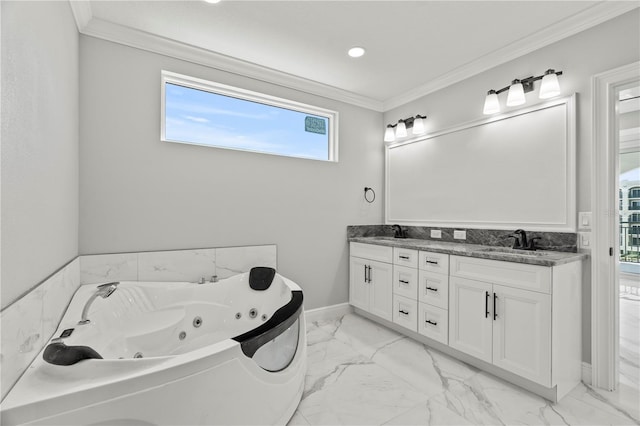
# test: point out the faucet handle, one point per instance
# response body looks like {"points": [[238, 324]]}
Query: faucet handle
{"points": [[214, 279], [532, 242], [201, 281]]}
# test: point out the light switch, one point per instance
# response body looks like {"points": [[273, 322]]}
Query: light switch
{"points": [[584, 220], [436, 233], [460, 235]]}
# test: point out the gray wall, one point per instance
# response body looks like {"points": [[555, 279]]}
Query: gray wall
{"points": [[138, 193], [601, 48], [39, 143]]}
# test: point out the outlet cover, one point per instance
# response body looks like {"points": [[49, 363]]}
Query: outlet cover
{"points": [[460, 235], [584, 240], [436, 233]]}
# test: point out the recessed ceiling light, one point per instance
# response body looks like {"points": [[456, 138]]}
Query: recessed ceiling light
{"points": [[356, 52], [212, 1]]}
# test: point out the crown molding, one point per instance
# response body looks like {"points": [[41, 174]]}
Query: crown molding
{"points": [[82, 13], [94, 27], [165, 46], [584, 20]]}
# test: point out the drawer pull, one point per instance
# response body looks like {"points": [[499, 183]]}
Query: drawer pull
{"points": [[495, 312], [431, 322], [404, 257], [403, 312], [431, 288], [404, 282], [432, 262]]}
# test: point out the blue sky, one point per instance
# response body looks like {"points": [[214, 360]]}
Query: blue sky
{"points": [[206, 118]]}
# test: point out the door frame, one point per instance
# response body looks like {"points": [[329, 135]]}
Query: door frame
{"points": [[605, 334]]}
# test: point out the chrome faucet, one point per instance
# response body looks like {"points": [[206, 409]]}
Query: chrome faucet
{"points": [[104, 291]]}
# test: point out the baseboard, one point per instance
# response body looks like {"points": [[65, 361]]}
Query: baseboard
{"points": [[586, 373], [327, 313]]}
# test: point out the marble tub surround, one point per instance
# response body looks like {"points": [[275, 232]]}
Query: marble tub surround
{"points": [[360, 372], [175, 265], [30, 322], [554, 241], [541, 257]]}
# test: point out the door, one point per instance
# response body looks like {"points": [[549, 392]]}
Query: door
{"points": [[522, 333], [380, 290], [358, 283], [470, 319]]}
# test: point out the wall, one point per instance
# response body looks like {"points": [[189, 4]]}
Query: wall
{"points": [[606, 46], [39, 143], [138, 193]]}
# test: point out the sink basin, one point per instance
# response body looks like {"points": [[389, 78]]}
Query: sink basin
{"points": [[510, 251]]}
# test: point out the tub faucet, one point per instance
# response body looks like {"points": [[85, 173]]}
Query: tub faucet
{"points": [[104, 291]]}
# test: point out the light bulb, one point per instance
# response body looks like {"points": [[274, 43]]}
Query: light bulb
{"points": [[516, 94], [549, 86], [418, 126], [491, 103], [389, 135], [401, 129]]}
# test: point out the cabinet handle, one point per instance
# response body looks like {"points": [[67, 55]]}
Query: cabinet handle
{"points": [[486, 304], [432, 262], [369, 267], [431, 288], [431, 322], [404, 257], [495, 312], [365, 274], [403, 312], [404, 282]]}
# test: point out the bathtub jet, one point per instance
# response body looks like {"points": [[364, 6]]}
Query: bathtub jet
{"points": [[171, 353]]}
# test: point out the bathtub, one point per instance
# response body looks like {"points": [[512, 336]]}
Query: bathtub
{"points": [[174, 354]]}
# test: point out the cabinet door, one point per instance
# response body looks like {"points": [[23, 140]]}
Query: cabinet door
{"points": [[380, 290], [470, 319], [405, 281], [522, 333], [358, 286]]}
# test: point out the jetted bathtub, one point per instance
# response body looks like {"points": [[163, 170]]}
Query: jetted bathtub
{"points": [[226, 352]]}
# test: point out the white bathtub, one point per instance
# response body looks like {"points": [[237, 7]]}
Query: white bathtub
{"points": [[205, 358]]}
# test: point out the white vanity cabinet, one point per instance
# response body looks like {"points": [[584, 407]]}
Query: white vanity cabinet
{"points": [[371, 270], [501, 312]]}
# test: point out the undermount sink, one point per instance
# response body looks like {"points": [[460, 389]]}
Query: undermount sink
{"points": [[510, 251]]}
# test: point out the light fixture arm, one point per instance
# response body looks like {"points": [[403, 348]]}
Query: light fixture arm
{"points": [[527, 83]]}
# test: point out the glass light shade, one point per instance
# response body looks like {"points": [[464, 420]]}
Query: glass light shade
{"points": [[418, 126], [491, 103], [389, 135], [401, 129], [516, 94], [549, 87]]}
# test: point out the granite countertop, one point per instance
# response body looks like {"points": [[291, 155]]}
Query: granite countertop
{"points": [[538, 257]]}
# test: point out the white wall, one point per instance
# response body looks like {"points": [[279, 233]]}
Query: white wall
{"points": [[138, 193], [39, 143], [606, 46]]}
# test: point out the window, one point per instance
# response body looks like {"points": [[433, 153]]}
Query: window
{"points": [[201, 112], [634, 192]]}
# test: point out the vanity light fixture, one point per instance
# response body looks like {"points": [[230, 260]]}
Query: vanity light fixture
{"points": [[548, 89], [399, 130]]}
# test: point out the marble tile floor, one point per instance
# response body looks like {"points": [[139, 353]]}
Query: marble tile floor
{"points": [[629, 334], [361, 373]]}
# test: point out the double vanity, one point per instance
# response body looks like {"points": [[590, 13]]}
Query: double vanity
{"points": [[514, 313]]}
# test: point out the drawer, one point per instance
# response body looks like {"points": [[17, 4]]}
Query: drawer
{"points": [[371, 251], [433, 323], [405, 281], [405, 257], [518, 275], [433, 289], [405, 312], [434, 262]]}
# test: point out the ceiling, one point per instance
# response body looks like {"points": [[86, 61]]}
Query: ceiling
{"points": [[412, 47]]}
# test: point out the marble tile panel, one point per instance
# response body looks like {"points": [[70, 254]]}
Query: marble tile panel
{"points": [[358, 392], [57, 293], [235, 260], [298, 420], [177, 265], [429, 413], [365, 336], [21, 338], [102, 268]]}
